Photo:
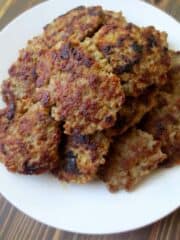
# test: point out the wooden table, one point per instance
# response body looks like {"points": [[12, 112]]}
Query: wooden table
{"points": [[14, 225]]}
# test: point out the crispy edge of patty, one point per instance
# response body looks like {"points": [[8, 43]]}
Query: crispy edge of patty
{"points": [[79, 23], [74, 25]]}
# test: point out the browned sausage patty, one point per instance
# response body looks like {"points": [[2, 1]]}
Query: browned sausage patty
{"points": [[29, 142], [139, 56], [131, 157], [92, 94]]}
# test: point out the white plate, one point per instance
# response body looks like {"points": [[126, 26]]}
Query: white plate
{"points": [[89, 208]]}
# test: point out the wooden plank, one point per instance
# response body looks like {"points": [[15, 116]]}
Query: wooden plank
{"points": [[14, 225], [5, 6], [10, 9], [171, 7]]}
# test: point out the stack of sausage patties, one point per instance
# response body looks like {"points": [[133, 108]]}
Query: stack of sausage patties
{"points": [[76, 97]]}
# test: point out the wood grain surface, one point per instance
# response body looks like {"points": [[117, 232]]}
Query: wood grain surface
{"points": [[14, 225]]}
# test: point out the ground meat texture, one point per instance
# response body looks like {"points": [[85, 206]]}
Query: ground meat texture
{"points": [[164, 121], [79, 23], [132, 111], [85, 94], [139, 56], [171, 90], [132, 156], [134, 108], [29, 142], [82, 156], [74, 25], [23, 78], [164, 124]]}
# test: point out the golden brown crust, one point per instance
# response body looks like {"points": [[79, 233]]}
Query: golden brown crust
{"points": [[78, 24], [22, 74], [138, 56], [131, 157], [29, 142], [85, 94], [82, 157], [75, 25]]}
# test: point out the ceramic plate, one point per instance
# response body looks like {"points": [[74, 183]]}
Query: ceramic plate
{"points": [[89, 208]]}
